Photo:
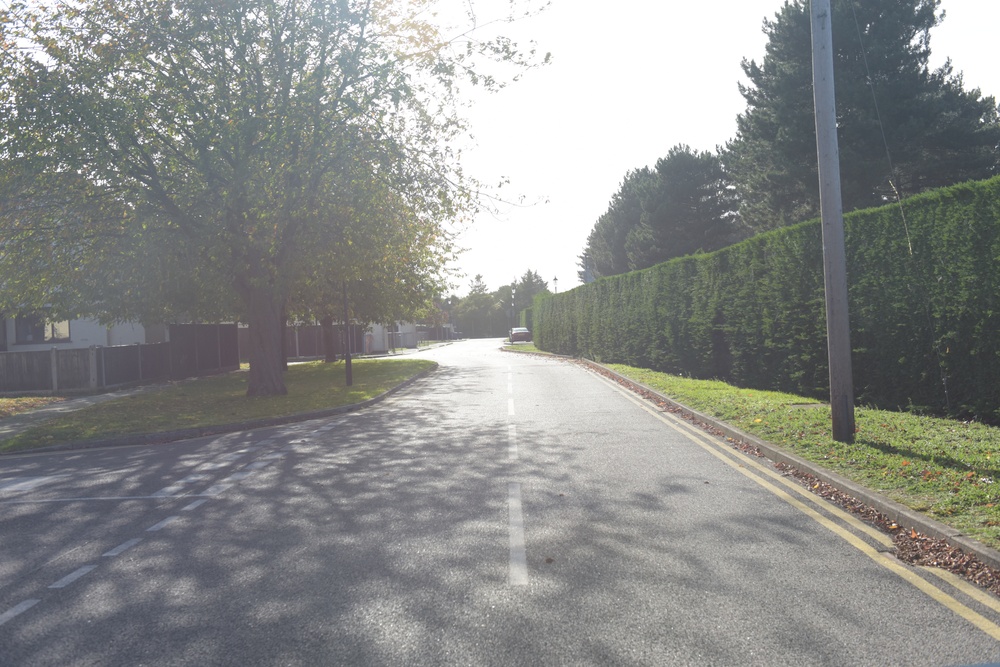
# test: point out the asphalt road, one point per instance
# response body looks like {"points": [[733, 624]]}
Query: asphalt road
{"points": [[506, 510]]}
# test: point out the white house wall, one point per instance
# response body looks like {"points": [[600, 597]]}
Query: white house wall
{"points": [[82, 334], [377, 341]]}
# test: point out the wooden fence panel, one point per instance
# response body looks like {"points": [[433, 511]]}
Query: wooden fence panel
{"points": [[73, 369], [25, 371]]}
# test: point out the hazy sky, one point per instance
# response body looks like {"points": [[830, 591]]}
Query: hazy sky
{"points": [[629, 80]]}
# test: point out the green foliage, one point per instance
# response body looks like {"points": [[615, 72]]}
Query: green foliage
{"points": [[681, 207], [205, 159], [888, 100], [220, 400], [485, 314], [924, 308]]}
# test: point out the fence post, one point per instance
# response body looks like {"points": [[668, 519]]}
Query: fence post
{"points": [[54, 368], [93, 367]]}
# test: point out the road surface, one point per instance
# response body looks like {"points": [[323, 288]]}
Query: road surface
{"points": [[506, 510]]}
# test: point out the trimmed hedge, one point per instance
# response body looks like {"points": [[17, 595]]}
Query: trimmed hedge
{"points": [[924, 307]]}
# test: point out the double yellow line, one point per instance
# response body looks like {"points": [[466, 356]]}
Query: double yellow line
{"points": [[806, 502]]}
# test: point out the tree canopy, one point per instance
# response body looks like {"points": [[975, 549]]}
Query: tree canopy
{"points": [[680, 207], [902, 127], [162, 159]]}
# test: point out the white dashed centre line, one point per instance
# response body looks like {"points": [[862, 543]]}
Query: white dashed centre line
{"points": [[196, 504], [512, 442], [16, 610], [518, 554], [73, 576], [122, 547], [163, 524]]}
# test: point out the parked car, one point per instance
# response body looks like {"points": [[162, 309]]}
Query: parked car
{"points": [[520, 333]]}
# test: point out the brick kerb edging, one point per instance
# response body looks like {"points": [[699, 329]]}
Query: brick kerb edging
{"points": [[905, 517], [221, 429]]}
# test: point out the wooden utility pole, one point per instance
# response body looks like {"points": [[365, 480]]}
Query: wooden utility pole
{"points": [[838, 328]]}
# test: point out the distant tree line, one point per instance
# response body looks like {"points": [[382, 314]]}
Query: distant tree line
{"points": [[902, 127], [491, 314]]}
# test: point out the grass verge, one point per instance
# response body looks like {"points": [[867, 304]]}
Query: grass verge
{"points": [[15, 406], [220, 400], [941, 467], [523, 347]]}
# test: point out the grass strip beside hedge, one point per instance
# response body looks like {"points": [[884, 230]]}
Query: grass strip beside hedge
{"points": [[941, 467], [220, 400]]}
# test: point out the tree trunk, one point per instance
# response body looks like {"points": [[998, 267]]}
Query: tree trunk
{"points": [[329, 339], [266, 340]]}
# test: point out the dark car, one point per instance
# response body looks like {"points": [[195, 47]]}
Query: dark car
{"points": [[520, 333]]}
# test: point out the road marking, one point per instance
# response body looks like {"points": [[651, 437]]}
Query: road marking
{"points": [[238, 476], [738, 462], [518, 554], [257, 465], [73, 576], [17, 610], [510, 407], [121, 548], [179, 485], [215, 490], [79, 499], [512, 442], [162, 524], [196, 504]]}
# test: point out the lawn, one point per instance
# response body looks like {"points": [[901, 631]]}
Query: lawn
{"points": [[941, 467], [221, 400]]}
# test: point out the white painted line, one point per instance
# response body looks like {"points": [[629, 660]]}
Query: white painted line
{"points": [[510, 407], [17, 610], [238, 476], [195, 505], [162, 524], [215, 490], [73, 576], [518, 554], [257, 465], [512, 442], [124, 546], [78, 500], [272, 457]]}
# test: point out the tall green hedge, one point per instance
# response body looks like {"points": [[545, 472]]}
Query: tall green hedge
{"points": [[924, 307]]}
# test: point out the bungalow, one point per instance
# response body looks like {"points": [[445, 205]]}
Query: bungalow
{"points": [[33, 332]]}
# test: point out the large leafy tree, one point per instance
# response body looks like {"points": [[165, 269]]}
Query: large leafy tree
{"points": [[902, 127], [215, 145]]}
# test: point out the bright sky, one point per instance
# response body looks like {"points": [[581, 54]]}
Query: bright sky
{"points": [[629, 80]]}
